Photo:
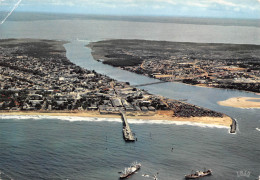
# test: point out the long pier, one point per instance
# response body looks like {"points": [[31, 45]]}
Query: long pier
{"points": [[127, 133], [147, 84]]}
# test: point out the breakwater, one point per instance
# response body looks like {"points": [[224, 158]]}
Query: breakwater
{"points": [[233, 126]]}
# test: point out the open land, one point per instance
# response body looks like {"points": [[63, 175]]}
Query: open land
{"points": [[36, 78], [241, 102], [231, 66]]}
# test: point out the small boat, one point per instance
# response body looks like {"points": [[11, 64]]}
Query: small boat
{"points": [[198, 174], [130, 170], [155, 177]]}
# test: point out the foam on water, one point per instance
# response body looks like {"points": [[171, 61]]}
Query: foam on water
{"points": [[179, 123], [20, 117], [145, 175], [251, 108], [63, 118], [95, 119], [5, 176]]}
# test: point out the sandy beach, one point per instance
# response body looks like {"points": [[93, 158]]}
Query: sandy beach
{"points": [[241, 102], [159, 115]]}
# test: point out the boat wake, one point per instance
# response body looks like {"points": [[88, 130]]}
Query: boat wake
{"points": [[130, 170], [145, 175], [4, 176]]}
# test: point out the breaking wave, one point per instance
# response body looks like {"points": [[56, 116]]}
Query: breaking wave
{"points": [[134, 121], [95, 119], [62, 118]]}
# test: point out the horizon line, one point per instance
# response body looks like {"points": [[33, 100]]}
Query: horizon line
{"points": [[127, 16]]}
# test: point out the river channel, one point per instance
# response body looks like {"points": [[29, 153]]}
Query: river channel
{"points": [[69, 148]]}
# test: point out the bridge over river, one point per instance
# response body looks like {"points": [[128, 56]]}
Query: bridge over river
{"points": [[147, 84]]}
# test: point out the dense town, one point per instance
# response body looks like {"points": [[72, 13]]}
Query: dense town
{"points": [[211, 65], [36, 75]]}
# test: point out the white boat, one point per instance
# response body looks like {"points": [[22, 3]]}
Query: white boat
{"points": [[130, 170]]}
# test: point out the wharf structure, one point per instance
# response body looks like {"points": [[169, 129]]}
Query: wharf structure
{"points": [[127, 133]]}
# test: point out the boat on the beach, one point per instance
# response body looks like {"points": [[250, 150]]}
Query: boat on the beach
{"points": [[130, 170], [198, 174]]}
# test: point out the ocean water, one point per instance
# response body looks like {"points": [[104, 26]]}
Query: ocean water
{"points": [[89, 148], [43, 147]]}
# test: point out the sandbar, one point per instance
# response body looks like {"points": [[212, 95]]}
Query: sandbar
{"points": [[241, 102]]}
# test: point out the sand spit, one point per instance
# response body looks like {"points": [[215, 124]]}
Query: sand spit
{"points": [[241, 102]]}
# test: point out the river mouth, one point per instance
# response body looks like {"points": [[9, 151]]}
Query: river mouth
{"points": [[76, 150], [80, 54]]}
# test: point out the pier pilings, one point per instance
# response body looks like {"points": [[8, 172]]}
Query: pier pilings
{"points": [[127, 133]]}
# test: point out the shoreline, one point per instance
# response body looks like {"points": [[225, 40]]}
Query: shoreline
{"points": [[138, 104], [241, 102], [220, 121], [130, 59]]}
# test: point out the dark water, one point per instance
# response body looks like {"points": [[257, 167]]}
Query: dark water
{"points": [[85, 148]]}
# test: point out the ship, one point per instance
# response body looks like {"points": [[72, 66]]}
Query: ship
{"points": [[198, 174], [130, 170]]}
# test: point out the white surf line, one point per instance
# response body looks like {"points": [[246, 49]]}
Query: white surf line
{"points": [[178, 123], [15, 6], [63, 118], [105, 119]]}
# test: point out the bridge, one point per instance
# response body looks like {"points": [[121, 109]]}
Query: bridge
{"points": [[147, 84]]}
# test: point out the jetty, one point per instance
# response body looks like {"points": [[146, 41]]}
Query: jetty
{"points": [[127, 133], [233, 126]]}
